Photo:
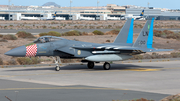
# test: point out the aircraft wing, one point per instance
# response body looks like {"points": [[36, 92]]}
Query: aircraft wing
{"points": [[158, 50], [117, 49]]}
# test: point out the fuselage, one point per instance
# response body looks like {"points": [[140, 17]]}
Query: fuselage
{"points": [[67, 49]]}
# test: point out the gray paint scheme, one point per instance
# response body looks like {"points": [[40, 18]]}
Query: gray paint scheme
{"points": [[19, 51], [56, 46], [123, 34], [143, 36]]}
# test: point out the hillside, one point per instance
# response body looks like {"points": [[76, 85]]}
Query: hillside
{"points": [[51, 3]]}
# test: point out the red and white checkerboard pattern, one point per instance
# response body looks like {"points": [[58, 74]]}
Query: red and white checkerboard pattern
{"points": [[31, 50]]}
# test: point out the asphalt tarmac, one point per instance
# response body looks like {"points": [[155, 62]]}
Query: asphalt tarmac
{"points": [[37, 31], [125, 81]]}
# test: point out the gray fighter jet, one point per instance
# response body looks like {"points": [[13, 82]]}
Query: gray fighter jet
{"points": [[121, 49]]}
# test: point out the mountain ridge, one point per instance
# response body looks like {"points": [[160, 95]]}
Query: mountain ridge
{"points": [[50, 4]]}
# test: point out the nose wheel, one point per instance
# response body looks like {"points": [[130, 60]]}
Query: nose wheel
{"points": [[57, 61], [57, 68], [106, 66]]}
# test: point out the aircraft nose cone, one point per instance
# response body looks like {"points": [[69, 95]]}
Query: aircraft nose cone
{"points": [[18, 52]]}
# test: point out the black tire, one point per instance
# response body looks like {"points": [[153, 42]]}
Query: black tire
{"points": [[57, 68], [106, 66], [90, 65]]}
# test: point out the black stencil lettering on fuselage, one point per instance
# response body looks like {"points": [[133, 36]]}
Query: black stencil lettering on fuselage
{"points": [[145, 33], [142, 42]]}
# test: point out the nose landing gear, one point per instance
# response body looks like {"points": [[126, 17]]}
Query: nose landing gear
{"points": [[57, 62], [57, 68]]}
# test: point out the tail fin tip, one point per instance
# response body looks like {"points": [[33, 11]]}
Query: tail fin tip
{"points": [[126, 33], [142, 13], [145, 38]]}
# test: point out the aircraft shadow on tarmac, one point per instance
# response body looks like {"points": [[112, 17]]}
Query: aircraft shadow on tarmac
{"points": [[113, 67], [84, 67]]}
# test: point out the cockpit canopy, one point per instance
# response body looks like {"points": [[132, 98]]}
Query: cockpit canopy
{"points": [[45, 39]]}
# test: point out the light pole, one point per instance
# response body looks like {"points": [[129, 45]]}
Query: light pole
{"points": [[148, 4], [148, 10], [9, 4], [70, 8], [97, 7]]}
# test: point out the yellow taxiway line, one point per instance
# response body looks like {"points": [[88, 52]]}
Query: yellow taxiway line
{"points": [[94, 71]]}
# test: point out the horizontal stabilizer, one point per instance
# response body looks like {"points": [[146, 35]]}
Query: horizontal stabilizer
{"points": [[157, 50], [142, 49]]}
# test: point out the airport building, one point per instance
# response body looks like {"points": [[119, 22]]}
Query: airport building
{"points": [[110, 12]]}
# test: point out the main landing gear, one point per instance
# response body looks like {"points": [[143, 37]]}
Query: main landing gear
{"points": [[106, 65], [90, 65], [57, 61]]}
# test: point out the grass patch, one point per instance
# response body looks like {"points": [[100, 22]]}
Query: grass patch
{"points": [[156, 56], [23, 34], [167, 34], [12, 62], [84, 33], [3, 40], [28, 61], [113, 32], [72, 33], [51, 33], [141, 99], [96, 32], [1, 36], [108, 41], [70, 60], [53, 27], [172, 98], [1, 61], [9, 37]]}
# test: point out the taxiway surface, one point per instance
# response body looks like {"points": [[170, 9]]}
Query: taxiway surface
{"points": [[127, 81]]}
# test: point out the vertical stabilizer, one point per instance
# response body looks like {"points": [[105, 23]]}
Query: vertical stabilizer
{"points": [[142, 13], [54, 15], [145, 38], [126, 33]]}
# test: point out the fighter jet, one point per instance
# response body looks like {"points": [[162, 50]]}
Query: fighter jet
{"points": [[121, 49]]}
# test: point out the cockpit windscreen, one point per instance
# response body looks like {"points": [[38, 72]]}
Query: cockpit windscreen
{"points": [[47, 39]]}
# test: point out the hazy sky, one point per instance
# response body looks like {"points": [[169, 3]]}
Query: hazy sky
{"points": [[171, 4]]}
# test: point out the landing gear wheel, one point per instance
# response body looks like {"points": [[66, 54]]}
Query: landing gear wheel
{"points": [[106, 66], [57, 61], [90, 65], [57, 68]]}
